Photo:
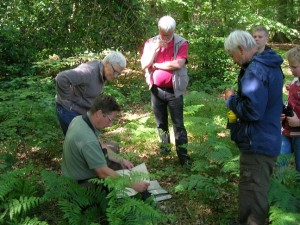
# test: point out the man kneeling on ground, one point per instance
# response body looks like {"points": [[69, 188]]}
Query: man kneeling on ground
{"points": [[83, 156]]}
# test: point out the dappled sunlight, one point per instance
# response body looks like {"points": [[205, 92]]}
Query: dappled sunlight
{"points": [[118, 130], [219, 120], [38, 157], [223, 134], [137, 116]]}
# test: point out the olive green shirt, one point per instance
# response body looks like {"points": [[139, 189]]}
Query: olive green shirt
{"points": [[82, 152]]}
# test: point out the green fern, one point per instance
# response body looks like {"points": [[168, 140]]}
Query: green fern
{"points": [[32, 221], [22, 205], [80, 205], [204, 186], [9, 181], [278, 216], [132, 211], [18, 194], [232, 166], [284, 197], [220, 154], [72, 211]]}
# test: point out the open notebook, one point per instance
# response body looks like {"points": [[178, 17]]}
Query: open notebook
{"points": [[155, 189]]}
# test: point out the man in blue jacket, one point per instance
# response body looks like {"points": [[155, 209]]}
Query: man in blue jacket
{"points": [[257, 130]]}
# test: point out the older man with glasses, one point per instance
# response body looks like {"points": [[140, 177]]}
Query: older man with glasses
{"points": [[257, 130], [164, 59], [76, 89]]}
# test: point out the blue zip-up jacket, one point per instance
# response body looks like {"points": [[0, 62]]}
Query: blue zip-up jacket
{"points": [[258, 105]]}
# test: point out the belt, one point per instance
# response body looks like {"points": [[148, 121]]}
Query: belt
{"points": [[170, 90], [84, 181]]}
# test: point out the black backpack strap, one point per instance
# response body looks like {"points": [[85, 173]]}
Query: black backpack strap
{"points": [[86, 119]]}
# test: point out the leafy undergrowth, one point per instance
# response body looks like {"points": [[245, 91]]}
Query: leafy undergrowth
{"points": [[205, 194]]}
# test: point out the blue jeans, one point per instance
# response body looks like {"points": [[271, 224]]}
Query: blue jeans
{"points": [[65, 117], [163, 99], [291, 145]]}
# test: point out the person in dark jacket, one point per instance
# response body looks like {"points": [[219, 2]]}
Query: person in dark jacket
{"points": [[257, 130]]}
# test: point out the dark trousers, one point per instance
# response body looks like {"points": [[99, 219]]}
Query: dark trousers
{"points": [[65, 117], [162, 100], [255, 172]]}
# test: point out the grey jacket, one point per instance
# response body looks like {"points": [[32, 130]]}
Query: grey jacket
{"points": [[180, 78], [76, 89]]}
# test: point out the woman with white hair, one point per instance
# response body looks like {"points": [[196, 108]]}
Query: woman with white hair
{"points": [[76, 89]]}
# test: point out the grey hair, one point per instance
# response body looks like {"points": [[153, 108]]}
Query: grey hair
{"points": [[167, 24], [114, 57], [293, 55], [239, 38], [261, 28]]}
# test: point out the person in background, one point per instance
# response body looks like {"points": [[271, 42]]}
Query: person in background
{"points": [[261, 37], [76, 89], [291, 124], [257, 105], [83, 156], [164, 60]]}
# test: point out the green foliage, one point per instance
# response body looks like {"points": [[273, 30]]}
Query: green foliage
{"points": [[54, 64], [83, 205], [32, 221], [213, 65], [127, 210], [284, 192], [41, 38], [18, 195], [281, 217], [210, 181], [79, 205], [23, 204], [285, 202], [28, 125], [133, 211], [32, 30]]}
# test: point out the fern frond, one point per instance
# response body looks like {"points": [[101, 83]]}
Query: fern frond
{"points": [[56, 186], [201, 184], [282, 197], [220, 154], [192, 109], [3, 214], [23, 205], [72, 212], [133, 211], [32, 221], [9, 181], [232, 166], [278, 216]]}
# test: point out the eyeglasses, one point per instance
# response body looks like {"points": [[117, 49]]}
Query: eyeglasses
{"points": [[110, 119], [116, 73]]}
